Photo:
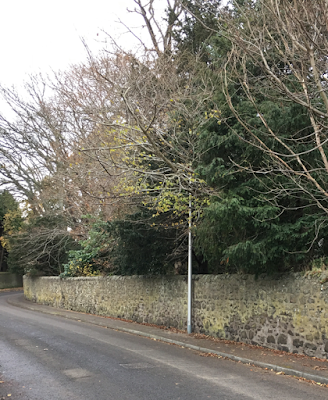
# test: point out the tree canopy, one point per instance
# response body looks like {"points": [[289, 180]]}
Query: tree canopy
{"points": [[228, 105]]}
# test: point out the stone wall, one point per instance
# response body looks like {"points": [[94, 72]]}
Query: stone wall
{"points": [[8, 280], [287, 312]]}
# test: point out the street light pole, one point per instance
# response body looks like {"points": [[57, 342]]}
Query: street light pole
{"points": [[189, 329]]}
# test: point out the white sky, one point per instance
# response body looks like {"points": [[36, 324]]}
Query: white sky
{"points": [[40, 35]]}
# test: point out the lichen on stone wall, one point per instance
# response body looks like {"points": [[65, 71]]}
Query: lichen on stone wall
{"points": [[287, 312]]}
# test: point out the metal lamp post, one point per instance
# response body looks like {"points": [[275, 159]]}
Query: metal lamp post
{"points": [[189, 328]]}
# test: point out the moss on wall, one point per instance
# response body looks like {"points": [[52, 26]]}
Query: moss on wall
{"points": [[288, 312]]}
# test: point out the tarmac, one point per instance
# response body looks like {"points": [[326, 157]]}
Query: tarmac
{"points": [[297, 365]]}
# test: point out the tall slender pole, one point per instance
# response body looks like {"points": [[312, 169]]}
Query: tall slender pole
{"points": [[189, 329]]}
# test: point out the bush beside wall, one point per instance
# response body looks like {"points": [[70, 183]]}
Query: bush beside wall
{"points": [[288, 312]]}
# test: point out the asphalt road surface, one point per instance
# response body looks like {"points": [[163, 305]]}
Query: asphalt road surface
{"points": [[45, 357]]}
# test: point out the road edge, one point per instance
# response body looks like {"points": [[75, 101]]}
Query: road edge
{"points": [[273, 367]]}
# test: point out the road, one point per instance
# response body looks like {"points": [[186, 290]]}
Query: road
{"points": [[46, 357]]}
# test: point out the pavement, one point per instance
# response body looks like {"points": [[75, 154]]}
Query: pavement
{"points": [[299, 366]]}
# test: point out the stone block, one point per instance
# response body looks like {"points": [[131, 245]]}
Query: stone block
{"points": [[310, 346], [298, 343], [271, 339], [282, 339]]}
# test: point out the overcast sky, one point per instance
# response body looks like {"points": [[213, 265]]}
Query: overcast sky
{"points": [[39, 35]]}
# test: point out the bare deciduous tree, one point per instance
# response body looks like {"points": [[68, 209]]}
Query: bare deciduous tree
{"points": [[120, 126]]}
